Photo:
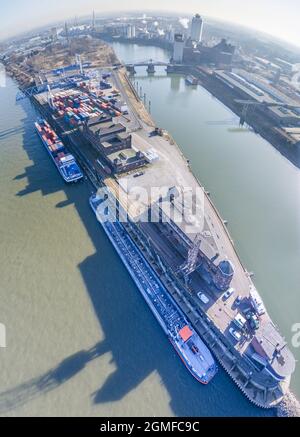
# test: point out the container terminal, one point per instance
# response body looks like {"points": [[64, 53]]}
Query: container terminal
{"points": [[103, 122]]}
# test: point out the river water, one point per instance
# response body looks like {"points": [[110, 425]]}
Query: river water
{"points": [[80, 338]]}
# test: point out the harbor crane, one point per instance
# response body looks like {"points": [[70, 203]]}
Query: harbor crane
{"points": [[251, 103], [67, 32], [268, 104], [191, 263], [50, 98], [79, 62]]}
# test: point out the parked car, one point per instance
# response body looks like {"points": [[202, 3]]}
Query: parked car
{"points": [[203, 297], [228, 293], [238, 301], [235, 334], [140, 173]]}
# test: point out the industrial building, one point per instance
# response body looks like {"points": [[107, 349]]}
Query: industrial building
{"points": [[285, 66], [125, 160], [107, 137], [97, 133], [114, 145], [268, 65], [130, 31], [249, 87], [220, 55]]}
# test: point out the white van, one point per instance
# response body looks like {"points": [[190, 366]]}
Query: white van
{"points": [[203, 297], [228, 293], [239, 321], [235, 334]]}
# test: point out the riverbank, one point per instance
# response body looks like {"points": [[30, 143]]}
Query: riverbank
{"points": [[135, 101], [254, 118]]}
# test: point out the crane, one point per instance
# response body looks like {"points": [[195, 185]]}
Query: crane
{"points": [[79, 63], [191, 262], [268, 104], [251, 103], [50, 97]]}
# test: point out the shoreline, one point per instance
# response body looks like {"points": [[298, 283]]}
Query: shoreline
{"points": [[291, 153]]}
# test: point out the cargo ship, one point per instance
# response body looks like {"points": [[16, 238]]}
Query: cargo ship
{"points": [[187, 343], [63, 160]]}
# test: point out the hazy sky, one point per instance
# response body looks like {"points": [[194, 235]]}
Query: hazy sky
{"points": [[280, 18]]}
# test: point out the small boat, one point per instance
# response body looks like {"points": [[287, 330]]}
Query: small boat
{"points": [[191, 80]]}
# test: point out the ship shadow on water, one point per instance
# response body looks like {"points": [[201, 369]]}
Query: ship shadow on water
{"points": [[35, 387], [8, 133], [133, 337]]}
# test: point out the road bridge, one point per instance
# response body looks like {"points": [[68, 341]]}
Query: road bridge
{"points": [[149, 63]]}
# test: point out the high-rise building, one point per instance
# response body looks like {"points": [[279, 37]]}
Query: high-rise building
{"points": [[178, 48], [196, 28]]}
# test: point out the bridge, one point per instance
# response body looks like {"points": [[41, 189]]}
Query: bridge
{"points": [[149, 63]]}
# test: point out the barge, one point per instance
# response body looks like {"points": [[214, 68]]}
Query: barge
{"points": [[64, 161]]}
